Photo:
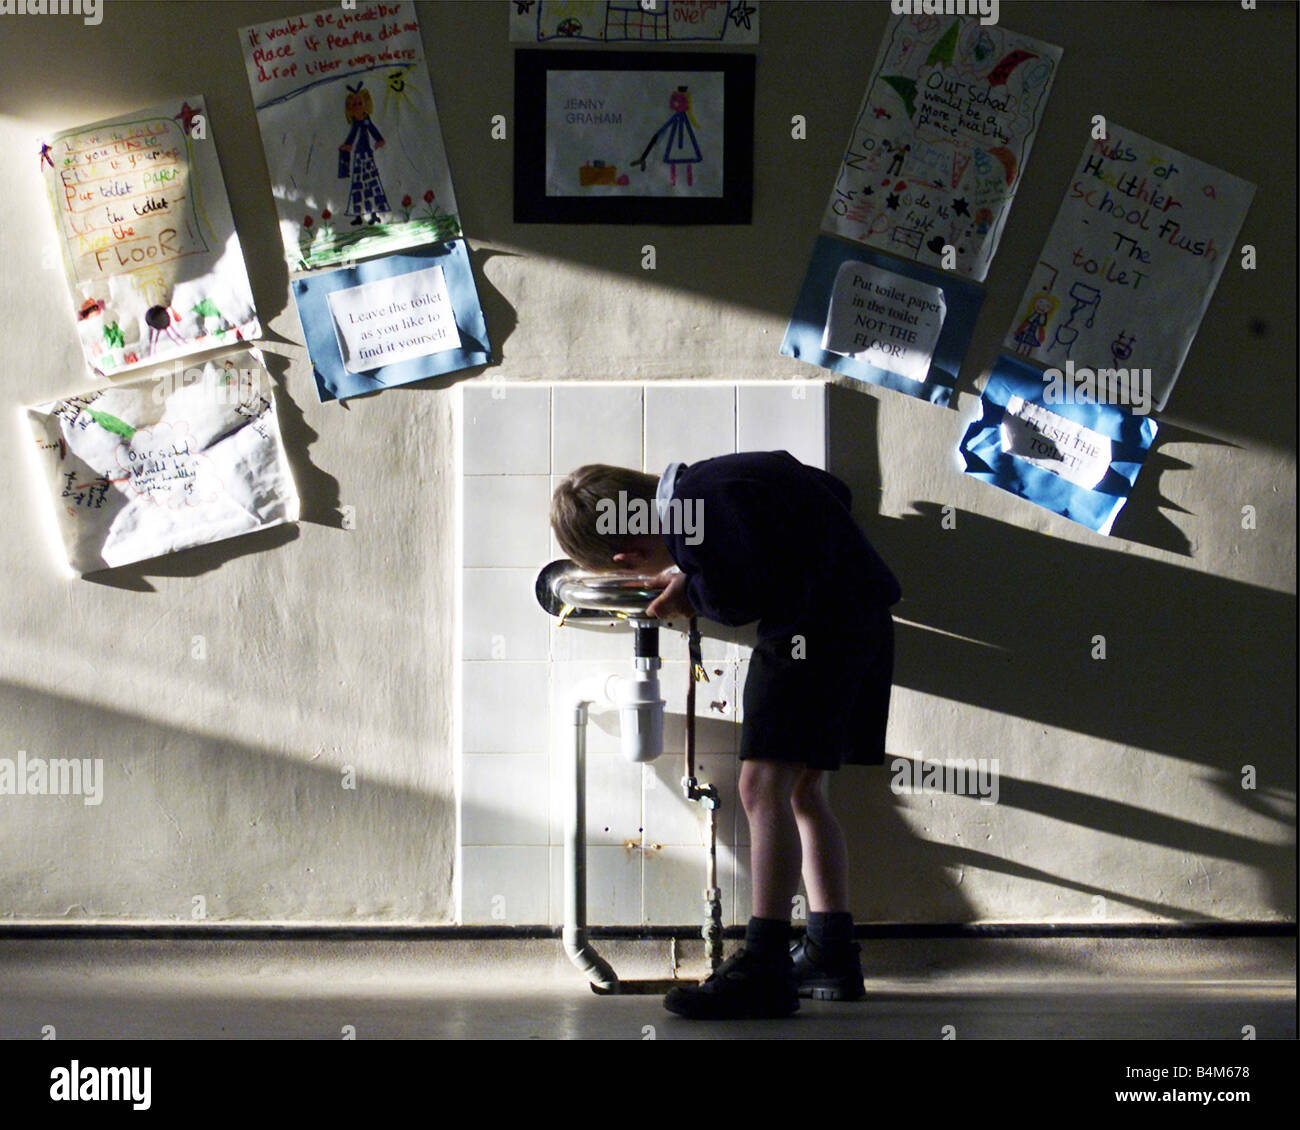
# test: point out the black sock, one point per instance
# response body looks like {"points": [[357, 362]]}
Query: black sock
{"points": [[768, 937], [830, 928]]}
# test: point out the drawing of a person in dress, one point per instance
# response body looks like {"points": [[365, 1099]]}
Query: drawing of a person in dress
{"points": [[680, 146], [1029, 334], [366, 192]]}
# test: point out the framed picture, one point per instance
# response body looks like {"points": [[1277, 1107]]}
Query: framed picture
{"points": [[633, 137]]}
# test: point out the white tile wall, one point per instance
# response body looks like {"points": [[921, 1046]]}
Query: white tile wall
{"points": [[505, 430], [499, 799], [685, 424], [501, 618], [789, 417], [505, 520], [501, 704], [504, 885], [518, 669], [596, 424]]}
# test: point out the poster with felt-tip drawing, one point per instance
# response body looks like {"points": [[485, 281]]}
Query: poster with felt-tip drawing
{"points": [[148, 242], [165, 462], [1134, 255], [631, 21], [941, 140], [350, 129], [635, 133]]}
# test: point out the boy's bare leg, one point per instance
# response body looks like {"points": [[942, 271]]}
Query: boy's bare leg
{"points": [[825, 853], [774, 855]]}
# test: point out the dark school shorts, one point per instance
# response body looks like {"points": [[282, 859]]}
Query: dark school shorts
{"points": [[830, 707]]}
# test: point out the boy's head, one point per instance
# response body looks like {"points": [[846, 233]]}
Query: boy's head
{"points": [[589, 513]]}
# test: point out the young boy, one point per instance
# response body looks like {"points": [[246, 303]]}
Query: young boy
{"points": [[772, 540]]}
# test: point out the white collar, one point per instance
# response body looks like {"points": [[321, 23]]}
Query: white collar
{"points": [[667, 482]]}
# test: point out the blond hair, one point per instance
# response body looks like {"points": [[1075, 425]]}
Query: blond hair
{"points": [[575, 506], [367, 103]]}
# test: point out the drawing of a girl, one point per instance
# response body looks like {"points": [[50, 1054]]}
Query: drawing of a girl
{"points": [[366, 193], [1029, 334], [680, 147]]}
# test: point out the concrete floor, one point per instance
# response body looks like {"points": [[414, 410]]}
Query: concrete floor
{"points": [[1168, 989]]}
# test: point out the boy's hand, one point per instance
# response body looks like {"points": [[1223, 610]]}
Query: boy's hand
{"points": [[673, 601]]}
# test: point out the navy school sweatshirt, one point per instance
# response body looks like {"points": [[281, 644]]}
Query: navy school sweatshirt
{"points": [[776, 543]]}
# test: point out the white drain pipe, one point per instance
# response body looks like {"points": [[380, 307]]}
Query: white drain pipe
{"points": [[641, 724], [599, 972]]}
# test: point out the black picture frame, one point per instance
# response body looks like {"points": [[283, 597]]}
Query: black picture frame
{"points": [[533, 206]]}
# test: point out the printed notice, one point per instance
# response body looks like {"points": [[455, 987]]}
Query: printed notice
{"points": [[394, 319], [884, 319], [1078, 454]]}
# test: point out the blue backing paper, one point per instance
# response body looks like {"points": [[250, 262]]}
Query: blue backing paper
{"points": [[333, 381], [803, 337], [1130, 437]]}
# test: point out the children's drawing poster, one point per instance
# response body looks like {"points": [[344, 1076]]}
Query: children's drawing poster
{"points": [[149, 245], [351, 132], [1076, 459], [634, 137], [886, 321], [630, 21], [635, 133], [391, 321], [1132, 259], [160, 464], [941, 140]]}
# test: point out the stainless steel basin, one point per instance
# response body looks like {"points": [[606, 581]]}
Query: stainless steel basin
{"points": [[592, 596]]}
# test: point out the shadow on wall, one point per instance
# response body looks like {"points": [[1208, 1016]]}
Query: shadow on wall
{"points": [[1005, 619], [261, 835]]}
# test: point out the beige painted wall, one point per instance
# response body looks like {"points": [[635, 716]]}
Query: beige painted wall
{"points": [[328, 647]]}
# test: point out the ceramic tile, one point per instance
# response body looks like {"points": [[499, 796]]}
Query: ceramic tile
{"points": [[787, 417], [504, 707], [613, 886], [506, 521], [505, 886], [686, 425], [595, 424], [505, 429], [500, 616], [504, 799]]}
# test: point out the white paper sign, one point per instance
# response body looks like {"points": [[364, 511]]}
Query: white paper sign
{"points": [[1076, 453], [164, 463], [393, 320], [884, 319]]}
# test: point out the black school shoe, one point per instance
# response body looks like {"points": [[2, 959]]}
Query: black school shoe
{"points": [[745, 987], [828, 973]]}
